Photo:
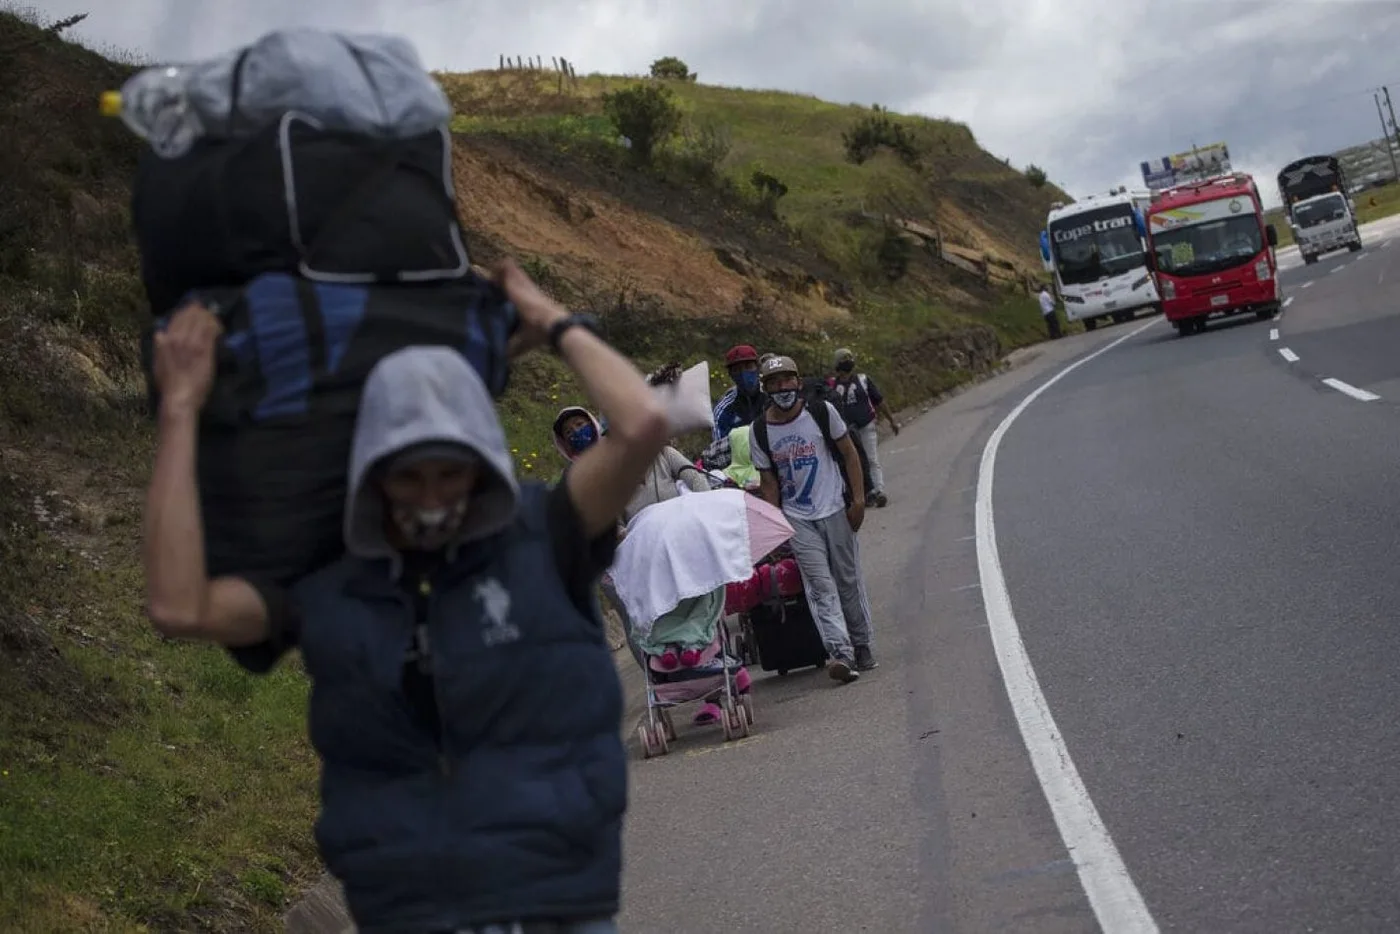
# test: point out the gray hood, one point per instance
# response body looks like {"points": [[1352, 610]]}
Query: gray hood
{"points": [[423, 394]]}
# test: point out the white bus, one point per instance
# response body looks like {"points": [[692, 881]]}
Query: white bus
{"points": [[1095, 248]]}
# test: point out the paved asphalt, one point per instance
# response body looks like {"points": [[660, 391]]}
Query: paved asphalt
{"points": [[1199, 542]]}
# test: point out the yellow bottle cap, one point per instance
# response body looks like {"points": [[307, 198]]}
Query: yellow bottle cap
{"points": [[111, 103]]}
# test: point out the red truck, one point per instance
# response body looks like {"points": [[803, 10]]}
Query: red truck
{"points": [[1212, 253]]}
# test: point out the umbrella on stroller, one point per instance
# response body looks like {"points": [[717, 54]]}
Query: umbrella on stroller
{"points": [[690, 545]]}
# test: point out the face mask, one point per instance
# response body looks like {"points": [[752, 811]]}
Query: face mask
{"points": [[747, 381], [845, 366], [430, 528], [581, 438], [785, 399]]}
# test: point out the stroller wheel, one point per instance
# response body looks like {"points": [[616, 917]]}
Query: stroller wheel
{"points": [[727, 720], [653, 741], [741, 720], [668, 726], [746, 708]]}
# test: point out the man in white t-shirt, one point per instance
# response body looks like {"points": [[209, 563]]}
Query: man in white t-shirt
{"points": [[1047, 310], [809, 466]]}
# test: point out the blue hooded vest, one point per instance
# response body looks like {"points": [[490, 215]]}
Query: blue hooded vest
{"points": [[513, 810]]}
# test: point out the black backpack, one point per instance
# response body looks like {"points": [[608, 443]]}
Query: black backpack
{"points": [[814, 398]]}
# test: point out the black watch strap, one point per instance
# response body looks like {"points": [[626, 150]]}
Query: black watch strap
{"points": [[578, 319]]}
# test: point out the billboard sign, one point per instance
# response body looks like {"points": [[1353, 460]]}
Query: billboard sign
{"points": [[1197, 164]]}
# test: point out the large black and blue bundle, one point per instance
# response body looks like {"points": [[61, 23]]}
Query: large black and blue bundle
{"points": [[315, 211]]}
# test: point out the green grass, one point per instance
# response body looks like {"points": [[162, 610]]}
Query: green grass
{"points": [[798, 139]]}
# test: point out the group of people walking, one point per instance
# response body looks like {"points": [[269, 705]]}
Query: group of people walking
{"points": [[812, 447]]}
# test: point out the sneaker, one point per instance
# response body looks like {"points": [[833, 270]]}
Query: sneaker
{"points": [[870, 499], [690, 658], [881, 501], [865, 658], [842, 669], [668, 659]]}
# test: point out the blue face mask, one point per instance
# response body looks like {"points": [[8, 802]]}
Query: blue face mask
{"points": [[747, 381], [581, 438]]}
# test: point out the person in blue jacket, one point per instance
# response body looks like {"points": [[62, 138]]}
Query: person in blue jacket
{"points": [[458, 791]]}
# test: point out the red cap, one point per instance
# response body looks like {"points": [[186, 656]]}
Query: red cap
{"points": [[740, 353]]}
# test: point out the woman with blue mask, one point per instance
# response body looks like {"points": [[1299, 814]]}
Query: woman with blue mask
{"points": [[575, 431]]}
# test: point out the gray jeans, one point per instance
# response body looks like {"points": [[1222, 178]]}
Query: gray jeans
{"points": [[868, 437], [828, 555]]}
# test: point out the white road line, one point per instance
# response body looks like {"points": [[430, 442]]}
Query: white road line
{"points": [[1288, 301], [1288, 355], [1273, 334], [1351, 390], [1308, 284], [1338, 268], [1380, 278], [1362, 255], [1117, 904]]}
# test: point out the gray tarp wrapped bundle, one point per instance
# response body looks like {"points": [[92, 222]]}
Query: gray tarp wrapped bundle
{"points": [[371, 84], [319, 153]]}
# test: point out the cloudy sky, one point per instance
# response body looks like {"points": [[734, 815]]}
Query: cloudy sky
{"points": [[1085, 88]]}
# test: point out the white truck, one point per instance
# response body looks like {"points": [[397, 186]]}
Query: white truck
{"points": [[1096, 251], [1321, 214]]}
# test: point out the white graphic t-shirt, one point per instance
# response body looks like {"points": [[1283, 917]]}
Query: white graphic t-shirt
{"points": [[809, 478]]}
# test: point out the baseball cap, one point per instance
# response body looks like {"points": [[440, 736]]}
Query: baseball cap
{"points": [[740, 353]]}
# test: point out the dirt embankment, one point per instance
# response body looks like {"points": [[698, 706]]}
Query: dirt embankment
{"points": [[613, 233]]}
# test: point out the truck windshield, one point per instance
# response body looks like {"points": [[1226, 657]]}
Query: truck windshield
{"points": [[1096, 244], [1211, 246], [1321, 211]]}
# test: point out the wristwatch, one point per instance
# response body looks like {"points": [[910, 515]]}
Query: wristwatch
{"points": [[580, 319]]}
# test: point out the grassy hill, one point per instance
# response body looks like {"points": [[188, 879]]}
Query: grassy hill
{"points": [[146, 785]]}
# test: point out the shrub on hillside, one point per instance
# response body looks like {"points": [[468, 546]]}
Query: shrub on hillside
{"points": [[1036, 176], [875, 130], [671, 67], [646, 115], [704, 147], [770, 189]]}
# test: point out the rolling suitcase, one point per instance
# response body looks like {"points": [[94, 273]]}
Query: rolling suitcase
{"points": [[785, 635]]}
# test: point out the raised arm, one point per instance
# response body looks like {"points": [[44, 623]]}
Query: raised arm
{"points": [[604, 478], [180, 599]]}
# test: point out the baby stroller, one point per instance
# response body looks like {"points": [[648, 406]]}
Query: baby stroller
{"points": [[686, 660]]}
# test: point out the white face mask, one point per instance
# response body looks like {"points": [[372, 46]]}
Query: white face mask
{"points": [[430, 528], [784, 399]]}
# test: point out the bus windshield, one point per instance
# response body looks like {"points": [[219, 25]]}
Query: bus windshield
{"points": [[1197, 249], [1096, 244]]}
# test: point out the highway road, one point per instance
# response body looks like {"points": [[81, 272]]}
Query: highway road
{"points": [[1140, 657]]}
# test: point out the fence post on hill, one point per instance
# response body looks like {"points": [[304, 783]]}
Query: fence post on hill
{"points": [[501, 63]]}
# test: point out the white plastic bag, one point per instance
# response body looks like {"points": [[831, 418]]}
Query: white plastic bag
{"points": [[687, 400]]}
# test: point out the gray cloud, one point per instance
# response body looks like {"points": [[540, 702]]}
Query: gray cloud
{"points": [[1085, 88]]}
